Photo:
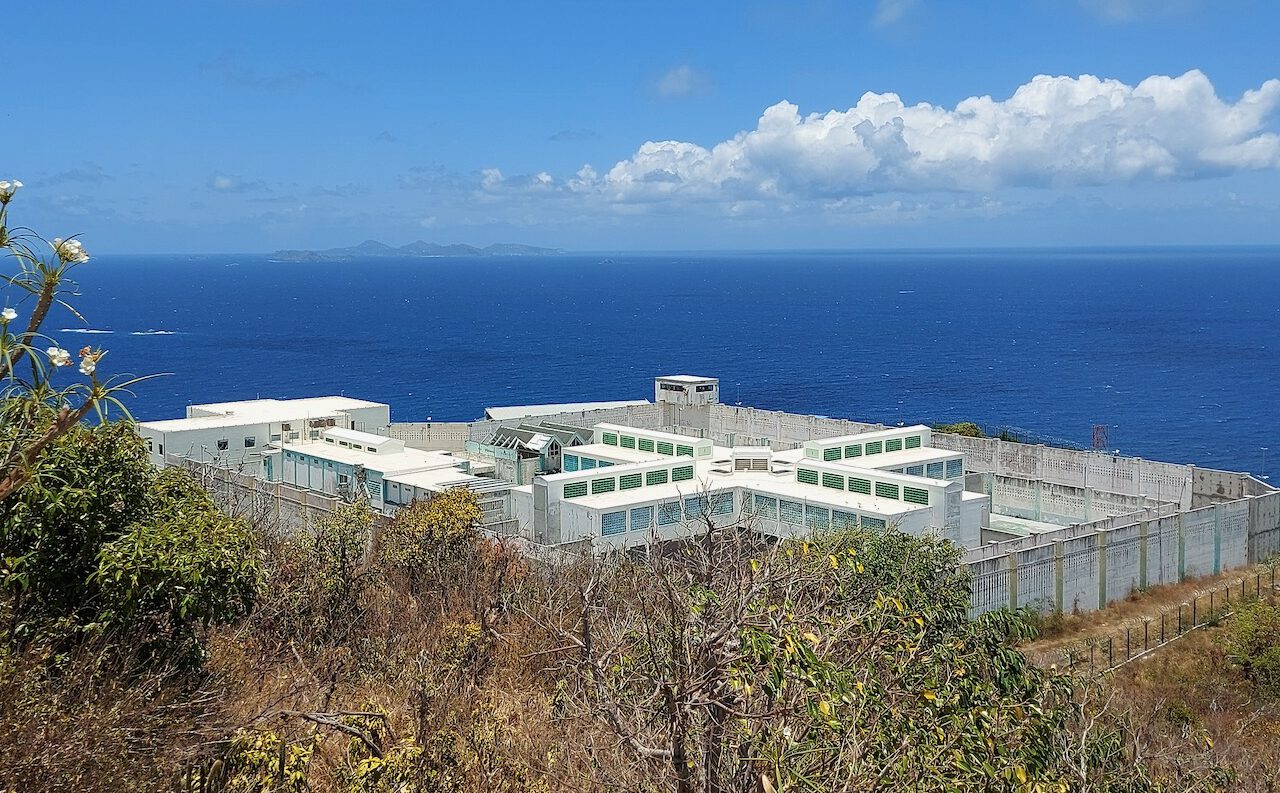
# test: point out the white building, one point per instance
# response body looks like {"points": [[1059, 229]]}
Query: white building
{"points": [[655, 484], [350, 464], [237, 434]]}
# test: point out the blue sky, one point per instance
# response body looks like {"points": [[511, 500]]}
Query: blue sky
{"points": [[250, 125]]}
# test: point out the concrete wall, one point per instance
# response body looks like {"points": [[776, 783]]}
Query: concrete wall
{"points": [[1086, 567]]}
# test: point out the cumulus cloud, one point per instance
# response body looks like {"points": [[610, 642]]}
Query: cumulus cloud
{"points": [[682, 81], [1053, 131]]}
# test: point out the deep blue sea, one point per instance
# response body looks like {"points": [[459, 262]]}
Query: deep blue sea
{"points": [[1176, 351]]}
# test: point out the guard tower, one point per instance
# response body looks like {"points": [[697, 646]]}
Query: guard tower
{"points": [[686, 390]]}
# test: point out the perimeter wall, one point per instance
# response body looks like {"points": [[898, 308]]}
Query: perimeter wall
{"points": [[1135, 523]]}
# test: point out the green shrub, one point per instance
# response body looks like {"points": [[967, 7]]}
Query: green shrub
{"points": [[1252, 643], [102, 544]]}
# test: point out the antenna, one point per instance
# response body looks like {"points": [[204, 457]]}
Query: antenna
{"points": [[1100, 443]]}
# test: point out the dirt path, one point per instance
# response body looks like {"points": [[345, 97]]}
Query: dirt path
{"points": [[1104, 639]]}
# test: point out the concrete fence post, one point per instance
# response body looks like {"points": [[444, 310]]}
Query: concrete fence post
{"points": [[1143, 529], [1102, 568], [1012, 556], [1182, 548], [1217, 539], [1057, 574]]}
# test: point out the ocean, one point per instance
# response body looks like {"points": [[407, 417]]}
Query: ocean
{"points": [[1176, 351]]}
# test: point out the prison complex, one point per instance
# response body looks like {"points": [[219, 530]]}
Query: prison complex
{"points": [[1048, 527]]}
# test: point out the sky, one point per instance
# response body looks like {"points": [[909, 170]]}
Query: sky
{"points": [[252, 125]]}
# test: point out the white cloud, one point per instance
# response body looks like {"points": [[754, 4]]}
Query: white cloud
{"points": [[681, 81], [890, 12], [226, 183], [1053, 131]]}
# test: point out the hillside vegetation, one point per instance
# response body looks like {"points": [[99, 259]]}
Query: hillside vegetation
{"points": [[152, 639]]}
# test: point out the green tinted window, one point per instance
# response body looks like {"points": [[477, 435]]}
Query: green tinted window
{"points": [[665, 448], [831, 454], [913, 442], [628, 442], [887, 490], [575, 490], [807, 475], [682, 474], [915, 495], [893, 445], [646, 444], [833, 481], [629, 481], [875, 447], [859, 485], [853, 450], [610, 438], [603, 485], [655, 478], [684, 451]]}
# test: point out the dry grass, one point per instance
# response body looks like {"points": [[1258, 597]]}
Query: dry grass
{"points": [[1069, 631], [1188, 691]]}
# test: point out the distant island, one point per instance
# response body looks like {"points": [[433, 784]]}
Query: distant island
{"points": [[373, 248]]}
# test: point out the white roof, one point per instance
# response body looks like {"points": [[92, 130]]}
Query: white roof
{"points": [[871, 435], [362, 438], [779, 486], [686, 378], [603, 450], [622, 429], [899, 459], [257, 411], [437, 479], [527, 411], [712, 475], [386, 464]]}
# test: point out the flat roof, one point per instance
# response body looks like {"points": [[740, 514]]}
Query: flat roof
{"points": [[898, 459], [356, 436], [259, 411], [617, 453], [686, 378], [623, 429], [781, 487], [870, 435], [527, 411], [320, 402], [443, 478], [408, 460]]}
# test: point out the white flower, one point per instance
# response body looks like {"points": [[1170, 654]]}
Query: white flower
{"points": [[8, 315], [88, 360], [58, 356], [7, 189], [69, 251]]}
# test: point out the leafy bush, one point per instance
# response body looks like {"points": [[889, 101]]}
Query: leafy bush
{"points": [[1252, 643], [103, 544], [967, 428]]}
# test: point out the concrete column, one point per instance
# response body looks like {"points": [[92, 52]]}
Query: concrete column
{"points": [[1143, 528], [1182, 549], [1012, 556], [1102, 567], [1217, 539], [1057, 573], [1039, 497]]}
